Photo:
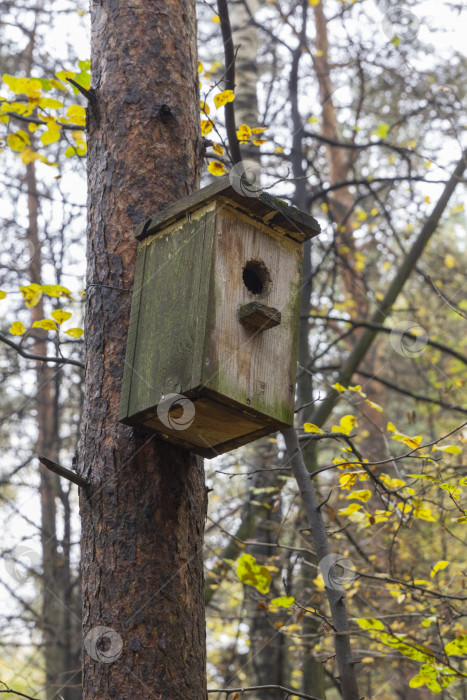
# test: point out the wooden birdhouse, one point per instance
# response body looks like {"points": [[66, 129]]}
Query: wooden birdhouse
{"points": [[212, 347]]}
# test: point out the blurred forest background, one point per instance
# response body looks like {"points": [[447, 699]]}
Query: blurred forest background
{"points": [[354, 111]]}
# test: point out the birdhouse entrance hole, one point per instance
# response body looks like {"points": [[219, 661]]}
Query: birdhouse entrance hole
{"points": [[256, 277]]}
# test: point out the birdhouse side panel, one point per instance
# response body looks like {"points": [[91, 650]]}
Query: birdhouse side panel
{"points": [[254, 365], [168, 318]]}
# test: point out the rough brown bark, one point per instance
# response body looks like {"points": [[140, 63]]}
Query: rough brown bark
{"points": [[143, 514]]}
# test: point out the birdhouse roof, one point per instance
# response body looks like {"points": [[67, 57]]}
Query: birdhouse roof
{"points": [[261, 206]]}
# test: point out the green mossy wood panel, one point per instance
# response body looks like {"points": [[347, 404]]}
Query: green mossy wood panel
{"points": [[168, 315]]}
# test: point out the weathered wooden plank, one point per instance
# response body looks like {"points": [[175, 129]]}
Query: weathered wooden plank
{"points": [[278, 214], [255, 369], [258, 316], [220, 424]]}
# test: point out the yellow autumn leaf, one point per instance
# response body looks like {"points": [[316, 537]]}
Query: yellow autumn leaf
{"points": [[452, 489], [369, 623], [346, 425], [51, 164], [374, 405], [457, 647], [46, 324], [217, 148], [17, 328], [50, 136], [206, 127], [338, 387], [223, 97], [61, 316], [216, 19], [18, 141], [57, 84], [64, 74], [259, 129], [450, 449], [217, 168], [390, 482], [204, 107], [75, 332], [55, 290], [253, 574], [439, 566], [28, 155], [312, 428], [352, 508], [348, 480], [77, 114], [31, 294], [412, 442], [243, 133], [362, 495], [31, 87], [422, 512], [259, 142], [49, 103], [284, 601], [2, 294]]}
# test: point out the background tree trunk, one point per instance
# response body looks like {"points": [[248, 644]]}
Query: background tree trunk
{"points": [[143, 515]]}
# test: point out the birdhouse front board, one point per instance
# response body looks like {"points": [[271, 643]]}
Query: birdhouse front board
{"points": [[212, 344]]}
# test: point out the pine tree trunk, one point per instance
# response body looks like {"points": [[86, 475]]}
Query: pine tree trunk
{"points": [[143, 514]]}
